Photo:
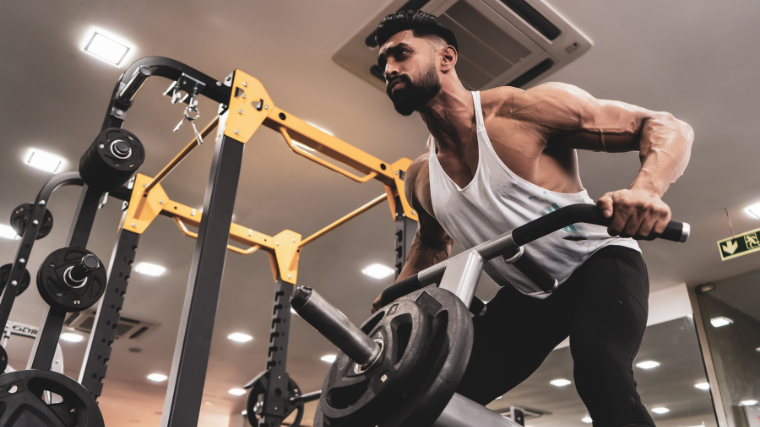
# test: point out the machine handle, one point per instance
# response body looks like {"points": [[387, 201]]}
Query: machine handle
{"points": [[399, 289], [528, 266]]}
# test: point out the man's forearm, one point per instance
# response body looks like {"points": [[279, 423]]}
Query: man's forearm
{"points": [[422, 256], [664, 150]]}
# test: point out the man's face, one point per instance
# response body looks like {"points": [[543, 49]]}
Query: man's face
{"points": [[411, 76]]}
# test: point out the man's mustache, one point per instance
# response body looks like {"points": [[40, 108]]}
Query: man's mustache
{"points": [[402, 77]]}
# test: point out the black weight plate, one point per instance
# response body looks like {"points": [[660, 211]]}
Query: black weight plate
{"points": [[3, 360], [355, 397], [21, 403], [53, 287], [259, 387], [20, 218], [5, 272], [431, 386]]}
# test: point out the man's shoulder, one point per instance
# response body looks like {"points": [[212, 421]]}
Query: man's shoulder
{"points": [[508, 100], [418, 168]]}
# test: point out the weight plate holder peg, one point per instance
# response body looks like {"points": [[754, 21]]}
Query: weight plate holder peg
{"points": [[421, 393], [255, 404], [111, 160], [3, 359], [5, 272], [20, 219], [71, 280], [22, 403]]}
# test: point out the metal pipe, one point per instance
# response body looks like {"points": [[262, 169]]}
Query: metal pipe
{"points": [[181, 156], [334, 326], [463, 412], [376, 201], [138, 79]]}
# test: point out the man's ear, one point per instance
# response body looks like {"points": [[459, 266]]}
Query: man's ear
{"points": [[449, 57]]}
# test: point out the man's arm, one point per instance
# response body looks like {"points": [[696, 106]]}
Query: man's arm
{"points": [[431, 244], [569, 117]]}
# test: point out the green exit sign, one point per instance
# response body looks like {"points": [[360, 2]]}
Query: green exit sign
{"points": [[736, 246]]}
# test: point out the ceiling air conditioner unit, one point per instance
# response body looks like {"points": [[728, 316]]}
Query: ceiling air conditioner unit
{"points": [[501, 42]]}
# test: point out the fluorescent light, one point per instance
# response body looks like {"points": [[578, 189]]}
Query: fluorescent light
{"points": [[236, 391], [106, 48], [378, 271], [157, 377], [587, 420], [720, 321], [751, 402], [660, 410], [753, 210], [329, 358], [239, 337], [321, 128], [68, 336], [702, 386], [43, 160], [648, 364], [7, 232], [150, 269], [560, 382]]}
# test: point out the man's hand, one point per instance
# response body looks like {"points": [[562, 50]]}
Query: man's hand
{"points": [[376, 304], [635, 213]]}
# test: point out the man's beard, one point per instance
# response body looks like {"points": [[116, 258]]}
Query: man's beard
{"points": [[412, 96]]}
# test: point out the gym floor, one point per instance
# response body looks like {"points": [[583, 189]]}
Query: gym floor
{"points": [[689, 58]]}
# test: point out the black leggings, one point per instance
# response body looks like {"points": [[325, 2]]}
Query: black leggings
{"points": [[603, 307]]}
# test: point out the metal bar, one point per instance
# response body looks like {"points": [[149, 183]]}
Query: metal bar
{"points": [[184, 393], [462, 276], [308, 397], [46, 342], [109, 312], [84, 217], [273, 411], [189, 233], [463, 412], [376, 201], [335, 326], [181, 156], [139, 77]]}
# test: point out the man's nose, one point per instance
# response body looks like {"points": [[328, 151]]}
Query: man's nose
{"points": [[390, 72]]}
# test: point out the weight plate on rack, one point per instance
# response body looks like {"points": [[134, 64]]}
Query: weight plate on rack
{"points": [[22, 404], [5, 272], [422, 393], [20, 218], [57, 293], [255, 404]]}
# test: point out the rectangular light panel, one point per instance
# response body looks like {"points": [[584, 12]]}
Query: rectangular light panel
{"points": [[7, 232], [378, 271], [43, 160], [150, 269], [106, 49]]}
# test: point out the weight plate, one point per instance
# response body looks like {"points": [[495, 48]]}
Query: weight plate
{"points": [[5, 272], [111, 160], [255, 403], [22, 404], [352, 395], [3, 360], [427, 389], [57, 293], [20, 218]]}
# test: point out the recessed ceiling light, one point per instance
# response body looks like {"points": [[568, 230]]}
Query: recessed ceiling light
{"points": [[720, 321], [68, 336], [702, 386], [560, 382], [150, 269], [587, 420], [660, 410], [43, 160], [751, 402], [648, 364], [157, 377], [106, 48], [239, 337], [7, 232], [329, 358], [236, 391], [753, 210], [378, 271]]}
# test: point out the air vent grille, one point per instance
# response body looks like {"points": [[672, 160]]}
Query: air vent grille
{"points": [[128, 327], [532, 17], [485, 50]]}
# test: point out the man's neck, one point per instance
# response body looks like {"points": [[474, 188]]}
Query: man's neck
{"points": [[450, 117]]}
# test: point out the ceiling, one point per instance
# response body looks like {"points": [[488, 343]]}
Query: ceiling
{"points": [[689, 58]]}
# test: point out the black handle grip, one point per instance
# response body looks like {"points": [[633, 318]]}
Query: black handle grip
{"points": [[535, 272], [583, 212], [399, 289]]}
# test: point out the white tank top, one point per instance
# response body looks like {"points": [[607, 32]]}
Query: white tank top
{"points": [[496, 201]]}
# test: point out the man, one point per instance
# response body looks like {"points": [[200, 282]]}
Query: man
{"points": [[503, 157]]}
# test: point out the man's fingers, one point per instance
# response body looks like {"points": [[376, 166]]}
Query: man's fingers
{"points": [[645, 231], [605, 204], [633, 224]]}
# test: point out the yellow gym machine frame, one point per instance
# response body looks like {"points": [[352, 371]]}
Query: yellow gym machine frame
{"points": [[250, 107]]}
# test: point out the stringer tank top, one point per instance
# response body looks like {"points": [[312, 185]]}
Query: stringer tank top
{"points": [[496, 201]]}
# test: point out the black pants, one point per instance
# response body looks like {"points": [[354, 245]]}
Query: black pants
{"points": [[603, 307]]}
